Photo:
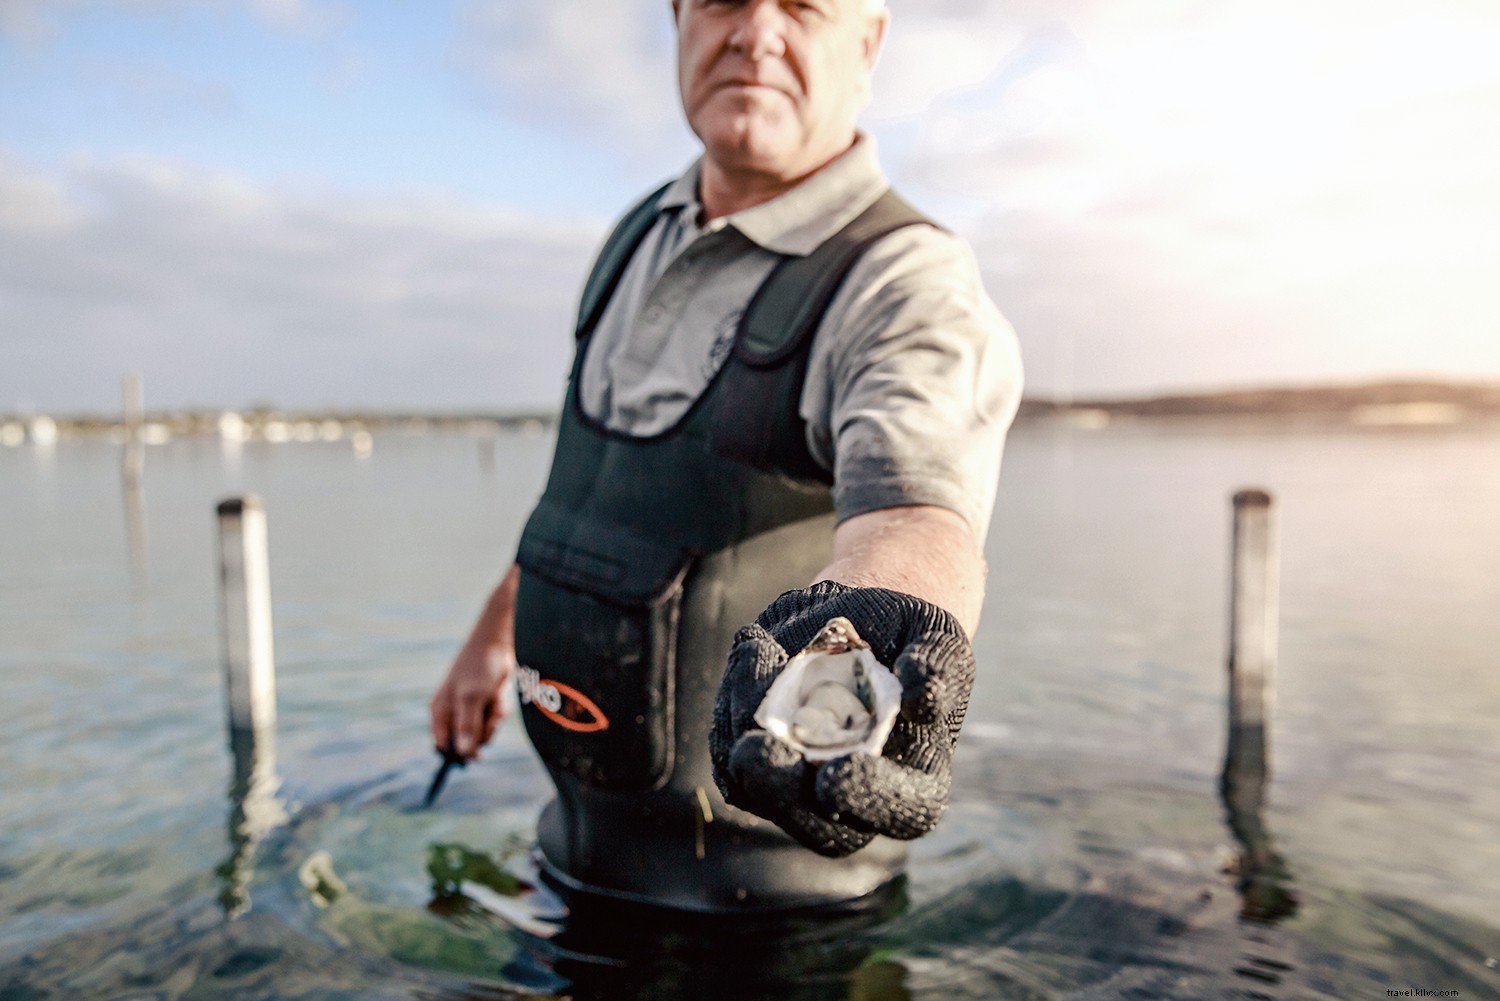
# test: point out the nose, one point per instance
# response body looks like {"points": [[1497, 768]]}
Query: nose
{"points": [[759, 32]]}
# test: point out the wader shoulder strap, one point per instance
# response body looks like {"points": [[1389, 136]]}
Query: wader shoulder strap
{"points": [[610, 264], [791, 302], [758, 422]]}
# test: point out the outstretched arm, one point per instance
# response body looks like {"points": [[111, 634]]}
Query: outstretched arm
{"points": [[911, 581], [922, 550]]}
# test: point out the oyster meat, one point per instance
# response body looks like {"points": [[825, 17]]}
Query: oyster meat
{"points": [[833, 698]]}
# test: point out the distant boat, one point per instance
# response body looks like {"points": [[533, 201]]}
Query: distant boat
{"points": [[43, 430], [232, 427], [363, 442]]}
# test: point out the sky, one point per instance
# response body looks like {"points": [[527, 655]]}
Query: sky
{"points": [[313, 204]]}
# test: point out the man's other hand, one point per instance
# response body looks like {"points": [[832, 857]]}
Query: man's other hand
{"points": [[469, 704]]}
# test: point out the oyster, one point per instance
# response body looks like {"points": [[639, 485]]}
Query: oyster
{"points": [[833, 698]]}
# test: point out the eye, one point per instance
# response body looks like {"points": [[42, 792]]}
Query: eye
{"points": [[807, 10]]}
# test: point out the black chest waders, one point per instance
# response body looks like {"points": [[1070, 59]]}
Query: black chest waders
{"points": [[639, 563]]}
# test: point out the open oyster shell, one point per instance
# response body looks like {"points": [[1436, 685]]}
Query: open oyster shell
{"points": [[833, 698]]}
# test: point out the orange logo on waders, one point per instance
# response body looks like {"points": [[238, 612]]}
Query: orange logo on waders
{"points": [[562, 704]]}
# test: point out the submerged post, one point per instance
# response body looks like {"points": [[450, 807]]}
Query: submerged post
{"points": [[1253, 609], [245, 588]]}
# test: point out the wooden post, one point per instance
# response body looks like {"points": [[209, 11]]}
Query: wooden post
{"points": [[250, 677], [1253, 609], [1264, 879], [135, 414], [245, 586]]}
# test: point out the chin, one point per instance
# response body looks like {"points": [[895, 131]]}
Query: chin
{"points": [[756, 149]]}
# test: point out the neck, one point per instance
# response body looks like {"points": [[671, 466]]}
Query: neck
{"points": [[724, 189]]}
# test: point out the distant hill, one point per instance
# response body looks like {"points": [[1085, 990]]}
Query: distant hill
{"points": [[1394, 402]]}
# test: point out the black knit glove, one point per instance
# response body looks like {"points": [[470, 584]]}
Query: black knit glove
{"points": [[839, 806]]}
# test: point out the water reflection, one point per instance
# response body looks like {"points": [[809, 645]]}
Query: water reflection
{"points": [[623, 951], [133, 459], [135, 535], [231, 453], [488, 443], [612, 951], [1262, 877], [1264, 880], [254, 812]]}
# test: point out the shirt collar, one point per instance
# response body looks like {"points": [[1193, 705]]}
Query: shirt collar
{"points": [[796, 222]]}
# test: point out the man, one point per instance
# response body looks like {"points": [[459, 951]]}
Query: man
{"points": [[731, 434]]}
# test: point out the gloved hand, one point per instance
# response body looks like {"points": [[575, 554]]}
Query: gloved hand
{"points": [[839, 806]]}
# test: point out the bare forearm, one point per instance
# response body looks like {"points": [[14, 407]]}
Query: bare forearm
{"points": [[922, 550], [497, 622]]}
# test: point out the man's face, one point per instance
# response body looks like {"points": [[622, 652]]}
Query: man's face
{"points": [[772, 87]]}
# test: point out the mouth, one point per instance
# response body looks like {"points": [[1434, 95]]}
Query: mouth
{"points": [[751, 88]]}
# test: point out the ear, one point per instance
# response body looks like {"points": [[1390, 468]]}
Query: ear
{"points": [[874, 40]]}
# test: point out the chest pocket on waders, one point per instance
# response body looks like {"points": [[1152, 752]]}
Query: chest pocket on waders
{"points": [[596, 633]]}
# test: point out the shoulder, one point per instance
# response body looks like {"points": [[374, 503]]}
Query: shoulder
{"points": [[913, 380], [917, 258], [919, 286]]}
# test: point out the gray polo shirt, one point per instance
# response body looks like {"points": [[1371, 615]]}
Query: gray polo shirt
{"points": [[913, 377]]}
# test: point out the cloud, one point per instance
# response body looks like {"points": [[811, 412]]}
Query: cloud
{"points": [[35, 206], [37, 21], [1161, 197], [602, 71], [154, 94], [224, 291], [964, 50], [300, 17]]}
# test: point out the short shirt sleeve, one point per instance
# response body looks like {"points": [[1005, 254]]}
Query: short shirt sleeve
{"points": [[913, 381]]}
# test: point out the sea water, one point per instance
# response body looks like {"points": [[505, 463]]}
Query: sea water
{"points": [[1086, 854]]}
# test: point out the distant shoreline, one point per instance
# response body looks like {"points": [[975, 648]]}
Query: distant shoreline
{"points": [[1394, 403], [1375, 404]]}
